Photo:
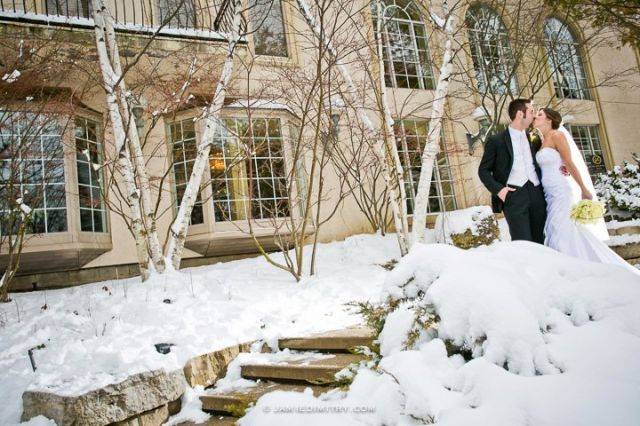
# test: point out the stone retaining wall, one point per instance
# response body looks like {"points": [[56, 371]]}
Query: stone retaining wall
{"points": [[142, 399]]}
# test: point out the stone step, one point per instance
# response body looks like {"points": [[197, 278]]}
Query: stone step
{"points": [[216, 420], [627, 251], [235, 403], [314, 371], [332, 341], [625, 230]]}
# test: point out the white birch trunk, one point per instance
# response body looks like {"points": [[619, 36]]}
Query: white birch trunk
{"points": [[390, 137], [110, 79], [432, 146], [178, 235], [134, 141], [379, 149]]}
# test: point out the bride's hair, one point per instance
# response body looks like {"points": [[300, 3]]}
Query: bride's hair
{"points": [[554, 116]]}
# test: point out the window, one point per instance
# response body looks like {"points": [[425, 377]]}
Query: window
{"points": [[260, 178], [70, 8], [569, 79], [405, 50], [269, 35], [183, 141], [411, 136], [177, 13], [93, 214], [491, 51], [588, 141], [32, 167]]}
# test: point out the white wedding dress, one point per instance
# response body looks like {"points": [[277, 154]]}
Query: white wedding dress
{"points": [[561, 232]]}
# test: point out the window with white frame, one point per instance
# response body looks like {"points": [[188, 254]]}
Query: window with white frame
{"points": [[268, 25], [177, 13], [248, 173], [563, 53], [89, 160], [588, 140], [491, 52], [406, 56], [32, 168], [182, 136], [411, 136]]}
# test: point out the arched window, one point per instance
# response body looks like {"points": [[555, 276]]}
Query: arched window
{"points": [[565, 62], [491, 51], [405, 50]]}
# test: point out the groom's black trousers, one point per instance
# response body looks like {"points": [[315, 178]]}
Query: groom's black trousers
{"points": [[526, 211]]}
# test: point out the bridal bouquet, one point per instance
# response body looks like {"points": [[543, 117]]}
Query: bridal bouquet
{"points": [[587, 211]]}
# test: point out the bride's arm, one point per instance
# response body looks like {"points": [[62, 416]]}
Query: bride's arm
{"points": [[562, 146]]}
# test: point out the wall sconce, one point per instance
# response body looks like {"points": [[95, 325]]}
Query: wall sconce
{"points": [[480, 116], [137, 109]]}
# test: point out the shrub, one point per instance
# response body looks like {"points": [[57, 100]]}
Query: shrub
{"points": [[467, 228], [620, 189]]}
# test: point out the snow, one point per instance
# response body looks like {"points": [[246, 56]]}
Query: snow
{"points": [[100, 333], [458, 221], [554, 341], [12, 77], [617, 224], [260, 104], [624, 239]]}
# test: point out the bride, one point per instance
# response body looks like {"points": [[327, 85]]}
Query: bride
{"points": [[562, 192]]}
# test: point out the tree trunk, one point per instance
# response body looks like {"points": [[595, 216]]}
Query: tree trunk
{"points": [[133, 194], [432, 146], [129, 124], [389, 134], [178, 234]]}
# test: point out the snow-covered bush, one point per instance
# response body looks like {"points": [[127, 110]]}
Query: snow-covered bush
{"points": [[620, 189], [480, 306], [467, 228]]}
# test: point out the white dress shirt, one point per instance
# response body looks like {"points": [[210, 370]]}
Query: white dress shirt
{"points": [[523, 169]]}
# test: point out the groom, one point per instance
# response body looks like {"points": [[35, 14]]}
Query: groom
{"points": [[511, 173]]}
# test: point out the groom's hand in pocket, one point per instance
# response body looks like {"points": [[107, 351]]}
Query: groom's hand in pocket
{"points": [[503, 193]]}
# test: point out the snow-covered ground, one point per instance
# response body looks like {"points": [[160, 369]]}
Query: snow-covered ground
{"points": [[620, 240], [100, 333], [617, 224], [555, 340]]}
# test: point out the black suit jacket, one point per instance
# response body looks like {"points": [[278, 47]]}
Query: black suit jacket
{"points": [[496, 164]]}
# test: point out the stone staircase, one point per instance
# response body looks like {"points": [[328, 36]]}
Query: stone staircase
{"points": [[630, 251], [328, 353]]}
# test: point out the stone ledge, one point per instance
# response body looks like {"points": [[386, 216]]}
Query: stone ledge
{"points": [[206, 369], [142, 399], [140, 393]]}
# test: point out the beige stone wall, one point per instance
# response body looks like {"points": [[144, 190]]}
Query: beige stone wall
{"points": [[614, 109]]}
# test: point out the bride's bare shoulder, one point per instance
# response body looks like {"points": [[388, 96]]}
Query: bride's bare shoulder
{"points": [[557, 136]]}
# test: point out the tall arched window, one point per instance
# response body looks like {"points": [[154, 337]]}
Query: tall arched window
{"points": [[491, 51], [569, 78], [405, 50]]}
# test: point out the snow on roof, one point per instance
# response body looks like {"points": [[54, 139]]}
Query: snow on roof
{"points": [[260, 104]]}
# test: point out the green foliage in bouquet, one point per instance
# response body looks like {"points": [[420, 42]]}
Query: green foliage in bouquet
{"points": [[487, 232], [620, 188], [587, 211]]}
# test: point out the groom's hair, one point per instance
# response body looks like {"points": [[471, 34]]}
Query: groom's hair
{"points": [[518, 105]]}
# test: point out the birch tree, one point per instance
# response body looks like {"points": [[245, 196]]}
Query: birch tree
{"points": [[180, 226], [446, 25], [380, 151], [123, 126]]}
